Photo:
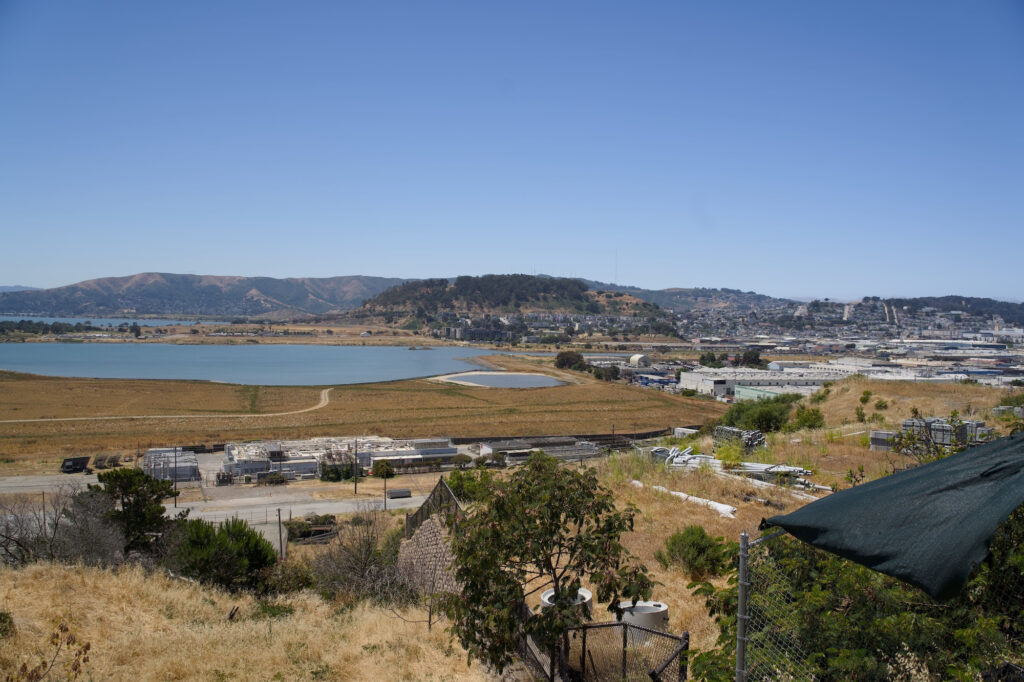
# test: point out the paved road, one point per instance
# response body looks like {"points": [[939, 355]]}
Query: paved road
{"points": [[325, 398], [265, 510], [45, 483], [250, 503]]}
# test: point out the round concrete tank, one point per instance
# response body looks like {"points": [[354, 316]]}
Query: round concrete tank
{"points": [[583, 596], [649, 614]]}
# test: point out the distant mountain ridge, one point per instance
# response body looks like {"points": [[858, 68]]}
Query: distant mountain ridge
{"points": [[165, 294], [154, 293], [503, 294], [16, 287]]}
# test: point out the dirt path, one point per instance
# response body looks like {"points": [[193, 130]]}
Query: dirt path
{"points": [[325, 398]]}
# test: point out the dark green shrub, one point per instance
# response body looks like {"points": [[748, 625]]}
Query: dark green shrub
{"points": [[766, 415], [820, 395], [807, 418], [1013, 400], [6, 625], [335, 473], [697, 553], [233, 555]]}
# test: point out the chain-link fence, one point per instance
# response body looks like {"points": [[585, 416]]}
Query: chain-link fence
{"points": [[441, 501], [621, 651], [767, 633], [805, 614], [613, 652]]}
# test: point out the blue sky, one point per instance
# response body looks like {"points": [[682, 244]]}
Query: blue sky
{"points": [[791, 148]]}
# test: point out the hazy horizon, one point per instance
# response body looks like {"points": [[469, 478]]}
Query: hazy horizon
{"points": [[805, 297]]}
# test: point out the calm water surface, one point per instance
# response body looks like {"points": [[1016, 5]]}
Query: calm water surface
{"points": [[107, 321], [511, 380], [270, 365]]}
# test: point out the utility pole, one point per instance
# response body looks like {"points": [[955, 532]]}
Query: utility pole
{"points": [[175, 475], [355, 467], [385, 490], [280, 535]]}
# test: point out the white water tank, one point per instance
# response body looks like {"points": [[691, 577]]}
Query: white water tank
{"points": [[583, 596], [649, 614]]}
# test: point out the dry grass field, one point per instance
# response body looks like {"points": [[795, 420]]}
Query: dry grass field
{"points": [[146, 626], [320, 640], [661, 514], [233, 413], [829, 452]]}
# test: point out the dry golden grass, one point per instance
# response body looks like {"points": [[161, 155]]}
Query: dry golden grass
{"points": [[397, 409], [31, 396], [932, 399], [145, 626], [661, 514], [830, 452]]}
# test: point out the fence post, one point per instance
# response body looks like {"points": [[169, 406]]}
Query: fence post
{"points": [[583, 655], [742, 615], [684, 656], [625, 634]]}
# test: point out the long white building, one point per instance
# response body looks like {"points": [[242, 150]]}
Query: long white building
{"points": [[722, 382]]}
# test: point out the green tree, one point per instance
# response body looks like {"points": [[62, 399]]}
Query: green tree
{"points": [[472, 485], [545, 527], [135, 330], [233, 555], [383, 469], [138, 504], [708, 359], [751, 358], [570, 359]]}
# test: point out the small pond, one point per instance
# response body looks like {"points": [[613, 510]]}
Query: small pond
{"points": [[510, 380]]}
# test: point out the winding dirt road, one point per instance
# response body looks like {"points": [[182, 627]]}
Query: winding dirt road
{"points": [[325, 398]]}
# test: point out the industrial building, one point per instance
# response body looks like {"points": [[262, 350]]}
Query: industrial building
{"points": [[722, 382], [519, 449], [304, 458], [171, 464]]}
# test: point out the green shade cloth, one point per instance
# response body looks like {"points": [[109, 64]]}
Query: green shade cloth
{"points": [[928, 526]]}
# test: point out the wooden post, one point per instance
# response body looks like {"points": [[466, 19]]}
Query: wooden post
{"points": [[280, 535], [625, 634], [583, 656]]}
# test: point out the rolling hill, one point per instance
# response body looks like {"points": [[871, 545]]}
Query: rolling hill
{"points": [[504, 294], [154, 293]]}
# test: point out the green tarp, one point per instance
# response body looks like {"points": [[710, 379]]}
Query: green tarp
{"points": [[927, 526]]}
